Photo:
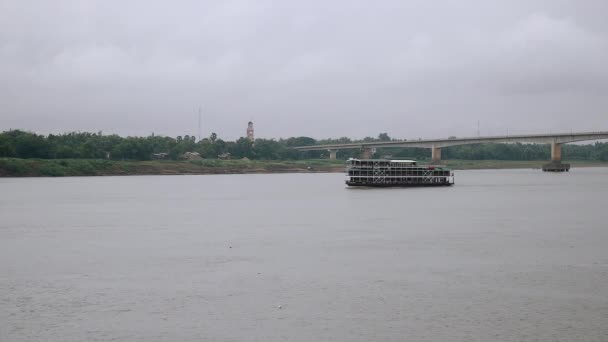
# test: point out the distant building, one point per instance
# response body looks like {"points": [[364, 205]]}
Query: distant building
{"points": [[191, 156], [161, 155], [224, 156], [250, 131]]}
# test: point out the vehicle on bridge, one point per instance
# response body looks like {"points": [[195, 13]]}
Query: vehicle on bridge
{"points": [[385, 173]]}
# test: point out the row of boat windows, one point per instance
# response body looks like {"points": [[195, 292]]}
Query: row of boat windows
{"points": [[400, 173], [396, 166], [400, 180]]}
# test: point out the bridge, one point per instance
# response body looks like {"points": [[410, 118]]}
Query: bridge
{"points": [[555, 140]]}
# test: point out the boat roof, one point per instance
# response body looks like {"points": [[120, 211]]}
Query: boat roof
{"points": [[388, 160]]}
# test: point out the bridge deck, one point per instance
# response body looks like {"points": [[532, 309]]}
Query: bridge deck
{"points": [[558, 138]]}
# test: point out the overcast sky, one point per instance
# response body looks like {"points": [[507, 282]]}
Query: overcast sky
{"points": [[315, 68]]}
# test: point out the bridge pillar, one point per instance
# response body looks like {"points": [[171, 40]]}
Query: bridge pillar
{"points": [[366, 153], [556, 152], [333, 154], [556, 159], [436, 154]]}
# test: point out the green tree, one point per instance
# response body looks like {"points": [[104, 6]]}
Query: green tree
{"points": [[384, 137]]}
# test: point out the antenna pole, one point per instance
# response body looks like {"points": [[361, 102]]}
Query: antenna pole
{"points": [[200, 110]]}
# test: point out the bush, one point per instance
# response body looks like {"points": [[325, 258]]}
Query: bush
{"points": [[82, 167], [14, 167], [52, 169], [207, 162]]}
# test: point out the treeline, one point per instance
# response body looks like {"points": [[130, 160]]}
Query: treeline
{"points": [[76, 145]]}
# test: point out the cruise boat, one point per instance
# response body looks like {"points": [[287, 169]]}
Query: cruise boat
{"points": [[384, 172]]}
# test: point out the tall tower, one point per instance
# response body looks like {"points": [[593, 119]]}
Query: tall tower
{"points": [[250, 131]]}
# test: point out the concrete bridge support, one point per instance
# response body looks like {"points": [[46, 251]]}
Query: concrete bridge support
{"points": [[556, 164], [333, 154], [366, 153], [556, 152], [436, 154]]}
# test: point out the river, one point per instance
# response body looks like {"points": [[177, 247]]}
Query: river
{"points": [[504, 255]]}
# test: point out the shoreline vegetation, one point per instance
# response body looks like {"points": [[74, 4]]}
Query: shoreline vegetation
{"points": [[16, 167], [27, 154]]}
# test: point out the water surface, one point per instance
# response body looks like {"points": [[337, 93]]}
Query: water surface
{"points": [[506, 255]]}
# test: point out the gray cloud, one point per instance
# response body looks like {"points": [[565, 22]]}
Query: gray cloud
{"points": [[313, 68]]}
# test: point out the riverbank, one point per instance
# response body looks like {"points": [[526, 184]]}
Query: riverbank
{"points": [[13, 167], [515, 164]]}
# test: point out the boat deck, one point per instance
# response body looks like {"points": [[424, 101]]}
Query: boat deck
{"points": [[380, 172]]}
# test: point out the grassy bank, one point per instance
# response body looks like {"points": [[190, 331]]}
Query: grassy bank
{"points": [[12, 167]]}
